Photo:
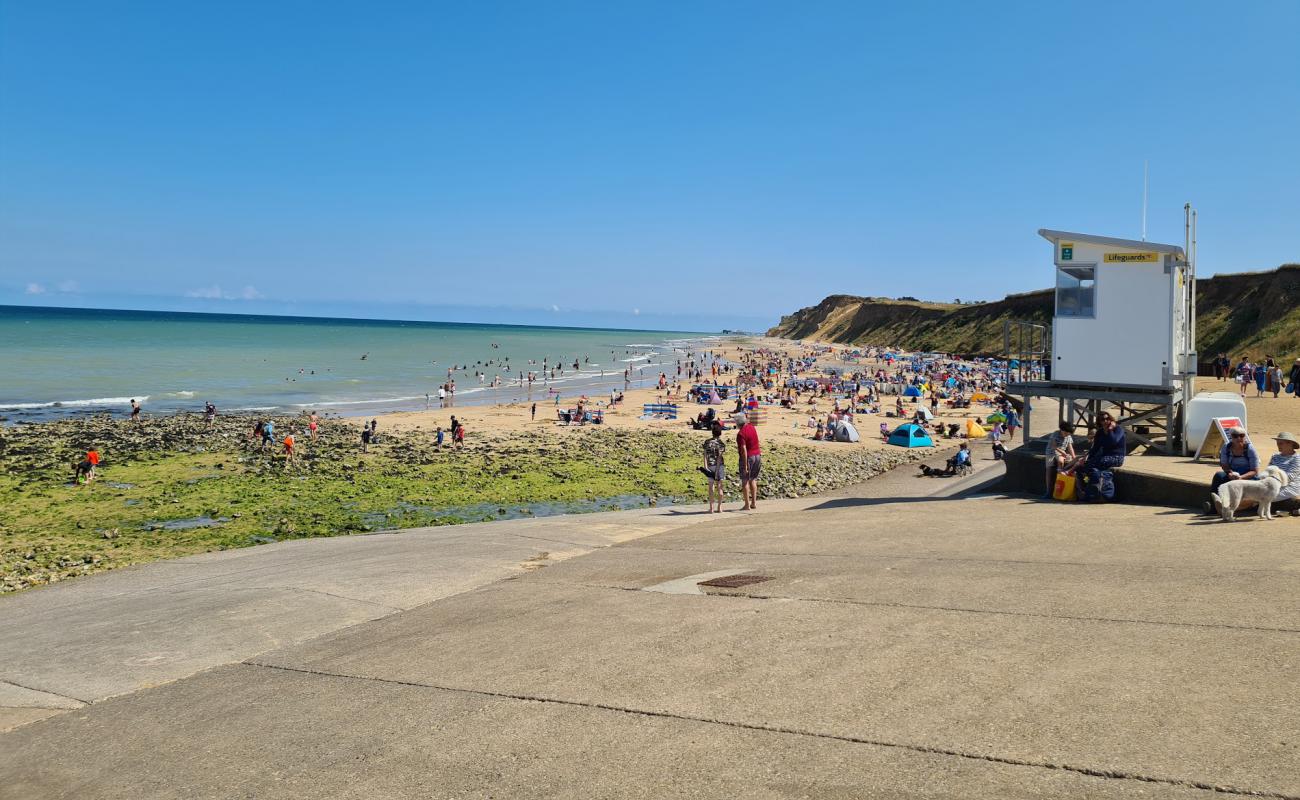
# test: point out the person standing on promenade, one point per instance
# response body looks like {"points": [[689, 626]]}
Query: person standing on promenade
{"points": [[751, 461], [715, 466]]}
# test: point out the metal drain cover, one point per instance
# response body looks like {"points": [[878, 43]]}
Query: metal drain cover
{"points": [[735, 581]]}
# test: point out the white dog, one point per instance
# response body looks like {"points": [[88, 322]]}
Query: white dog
{"points": [[1263, 491]]}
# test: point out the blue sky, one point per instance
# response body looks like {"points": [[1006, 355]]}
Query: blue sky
{"points": [[675, 165]]}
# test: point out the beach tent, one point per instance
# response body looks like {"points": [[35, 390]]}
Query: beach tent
{"points": [[714, 400], [978, 397], [910, 435], [845, 432], [911, 391], [925, 413], [974, 431], [996, 416]]}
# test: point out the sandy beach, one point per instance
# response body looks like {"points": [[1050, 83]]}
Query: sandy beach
{"points": [[788, 426]]}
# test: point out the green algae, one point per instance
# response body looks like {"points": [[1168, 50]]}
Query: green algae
{"points": [[178, 470]]}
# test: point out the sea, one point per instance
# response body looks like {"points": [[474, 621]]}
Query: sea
{"points": [[59, 362]]}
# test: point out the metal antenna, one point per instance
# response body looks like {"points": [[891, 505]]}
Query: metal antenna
{"points": [[1145, 183]]}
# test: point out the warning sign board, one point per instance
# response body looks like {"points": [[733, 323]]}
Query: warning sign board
{"points": [[1216, 436]]}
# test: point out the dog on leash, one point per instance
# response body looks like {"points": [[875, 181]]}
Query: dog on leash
{"points": [[1263, 491]]}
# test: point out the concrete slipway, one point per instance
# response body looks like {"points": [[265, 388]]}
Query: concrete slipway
{"points": [[903, 644]]}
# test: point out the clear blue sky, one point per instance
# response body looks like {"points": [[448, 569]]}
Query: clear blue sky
{"points": [[705, 164]]}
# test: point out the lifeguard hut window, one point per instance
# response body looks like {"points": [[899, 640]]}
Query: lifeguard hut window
{"points": [[1076, 290]]}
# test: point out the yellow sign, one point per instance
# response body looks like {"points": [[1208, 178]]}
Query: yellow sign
{"points": [[1132, 258]]}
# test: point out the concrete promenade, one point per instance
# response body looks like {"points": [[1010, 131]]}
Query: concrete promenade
{"points": [[900, 645]]}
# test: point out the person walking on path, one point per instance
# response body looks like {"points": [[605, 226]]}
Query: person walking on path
{"points": [[1013, 422], [751, 461], [1244, 372], [1294, 377], [715, 466]]}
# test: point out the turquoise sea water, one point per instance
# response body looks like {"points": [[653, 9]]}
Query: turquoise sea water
{"points": [[55, 362]]}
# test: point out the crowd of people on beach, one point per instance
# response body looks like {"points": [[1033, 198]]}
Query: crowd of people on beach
{"points": [[835, 388], [1265, 375]]}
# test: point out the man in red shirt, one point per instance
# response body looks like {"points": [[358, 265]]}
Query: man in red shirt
{"points": [[751, 460]]}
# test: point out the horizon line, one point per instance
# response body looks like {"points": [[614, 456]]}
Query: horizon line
{"points": [[308, 317]]}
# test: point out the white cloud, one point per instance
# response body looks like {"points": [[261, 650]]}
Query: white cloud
{"points": [[555, 308], [35, 288], [214, 292], [636, 312], [68, 286]]}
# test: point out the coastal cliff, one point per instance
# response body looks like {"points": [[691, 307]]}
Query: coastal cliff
{"points": [[1251, 313]]}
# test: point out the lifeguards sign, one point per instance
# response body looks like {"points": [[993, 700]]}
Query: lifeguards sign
{"points": [[1132, 258]]}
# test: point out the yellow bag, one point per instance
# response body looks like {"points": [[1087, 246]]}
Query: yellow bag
{"points": [[1064, 489]]}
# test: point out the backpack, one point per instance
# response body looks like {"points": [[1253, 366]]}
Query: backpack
{"points": [[1096, 485]]}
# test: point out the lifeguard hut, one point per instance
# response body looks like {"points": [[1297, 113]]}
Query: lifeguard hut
{"points": [[1123, 336]]}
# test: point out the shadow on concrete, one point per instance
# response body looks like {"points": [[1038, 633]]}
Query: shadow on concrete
{"points": [[857, 502]]}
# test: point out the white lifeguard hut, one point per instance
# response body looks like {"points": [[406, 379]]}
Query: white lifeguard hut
{"points": [[1123, 334]]}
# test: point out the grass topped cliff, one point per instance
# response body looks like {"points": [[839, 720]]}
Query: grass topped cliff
{"points": [[1252, 313]]}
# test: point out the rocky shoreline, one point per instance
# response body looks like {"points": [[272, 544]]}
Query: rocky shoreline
{"points": [[178, 485]]}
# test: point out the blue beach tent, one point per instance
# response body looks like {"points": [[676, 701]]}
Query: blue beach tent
{"points": [[911, 391], [910, 435]]}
